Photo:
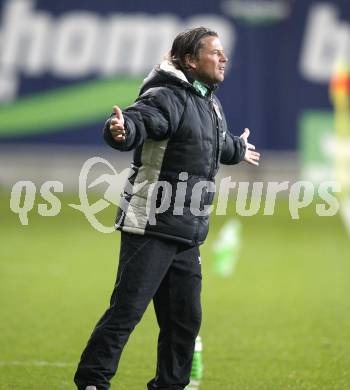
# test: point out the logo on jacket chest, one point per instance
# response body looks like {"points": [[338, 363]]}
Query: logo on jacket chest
{"points": [[217, 110], [218, 114]]}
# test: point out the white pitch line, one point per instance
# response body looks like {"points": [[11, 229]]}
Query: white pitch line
{"points": [[36, 363]]}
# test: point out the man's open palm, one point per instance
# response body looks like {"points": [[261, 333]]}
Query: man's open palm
{"points": [[250, 156]]}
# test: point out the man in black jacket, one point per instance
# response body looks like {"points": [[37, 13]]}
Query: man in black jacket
{"points": [[179, 133]]}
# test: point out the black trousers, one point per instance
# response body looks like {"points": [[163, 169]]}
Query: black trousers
{"points": [[149, 268]]}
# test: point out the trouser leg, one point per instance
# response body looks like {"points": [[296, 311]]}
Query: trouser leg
{"points": [[178, 310], [143, 263]]}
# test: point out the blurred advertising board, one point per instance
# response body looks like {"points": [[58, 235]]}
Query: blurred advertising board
{"points": [[63, 65]]}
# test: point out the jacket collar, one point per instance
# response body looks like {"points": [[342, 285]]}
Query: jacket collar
{"points": [[201, 88], [170, 68]]}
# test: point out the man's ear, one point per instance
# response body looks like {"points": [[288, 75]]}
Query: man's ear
{"points": [[190, 62]]}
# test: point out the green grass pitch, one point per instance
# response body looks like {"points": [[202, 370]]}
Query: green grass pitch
{"points": [[282, 321]]}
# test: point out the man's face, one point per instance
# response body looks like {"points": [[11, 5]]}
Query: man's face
{"points": [[209, 67]]}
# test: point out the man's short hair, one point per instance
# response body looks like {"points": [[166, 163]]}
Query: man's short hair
{"points": [[188, 43]]}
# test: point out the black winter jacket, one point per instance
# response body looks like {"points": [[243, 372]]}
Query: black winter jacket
{"points": [[179, 137]]}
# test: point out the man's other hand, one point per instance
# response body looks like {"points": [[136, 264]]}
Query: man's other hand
{"points": [[250, 156], [116, 126]]}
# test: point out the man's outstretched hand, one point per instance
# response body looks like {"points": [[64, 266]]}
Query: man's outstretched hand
{"points": [[116, 126], [250, 156]]}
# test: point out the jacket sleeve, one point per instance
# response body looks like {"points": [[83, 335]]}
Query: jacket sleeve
{"points": [[156, 114], [233, 150]]}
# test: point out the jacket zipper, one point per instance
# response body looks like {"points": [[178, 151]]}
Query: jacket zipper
{"points": [[216, 135]]}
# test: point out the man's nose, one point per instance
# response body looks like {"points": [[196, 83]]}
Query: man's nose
{"points": [[223, 58]]}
